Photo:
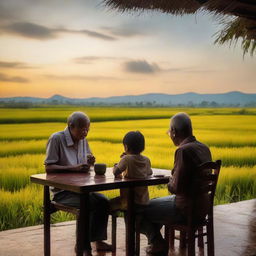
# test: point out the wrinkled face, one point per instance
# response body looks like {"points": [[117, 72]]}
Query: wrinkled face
{"points": [[80, 132], [171, 133]]}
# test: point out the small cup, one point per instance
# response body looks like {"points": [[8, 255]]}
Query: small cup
{"points": [[100, 169]]}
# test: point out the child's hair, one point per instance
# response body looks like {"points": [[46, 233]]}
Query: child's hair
{"points": [[135, 142]]}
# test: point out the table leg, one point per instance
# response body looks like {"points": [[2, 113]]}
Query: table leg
{"points": [[83, 236], [47, 233], [130, 230]]}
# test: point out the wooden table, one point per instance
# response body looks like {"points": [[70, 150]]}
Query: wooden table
{"points": [[83, 184]]}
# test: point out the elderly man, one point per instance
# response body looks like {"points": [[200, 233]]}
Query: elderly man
{"points": [[189, 155], [69, 150]]}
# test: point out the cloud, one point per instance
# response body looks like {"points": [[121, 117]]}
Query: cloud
{"points": [[188, 70], [39, 32], [127, 30], [87, 32], [78, 77], [19, 65], [141, 66], [90, 59], [14, 79], [30, 30]]}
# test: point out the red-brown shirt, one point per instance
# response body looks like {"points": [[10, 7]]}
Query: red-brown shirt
{"points": [[190, 154]]}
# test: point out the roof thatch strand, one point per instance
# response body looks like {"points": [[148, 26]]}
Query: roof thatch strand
{"points": [[240, 8], [236, 29], [243, 27], [176, 7]]}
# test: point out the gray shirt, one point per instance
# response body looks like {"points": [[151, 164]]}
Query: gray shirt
{"points": [[62, 150]]}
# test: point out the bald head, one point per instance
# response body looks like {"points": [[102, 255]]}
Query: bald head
{"points": [[78, 119], [181, 124]]}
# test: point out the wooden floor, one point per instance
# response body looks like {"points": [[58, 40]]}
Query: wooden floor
{"points": [[235, 235]]}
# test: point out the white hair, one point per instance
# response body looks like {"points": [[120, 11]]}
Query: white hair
{"points": [[76, 119], [181, 122]]}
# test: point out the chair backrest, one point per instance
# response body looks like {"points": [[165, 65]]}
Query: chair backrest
{"points": [[212, 170], [204, 186]]}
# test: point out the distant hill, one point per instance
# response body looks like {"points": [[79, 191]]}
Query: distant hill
{"points": [[191, 99]]}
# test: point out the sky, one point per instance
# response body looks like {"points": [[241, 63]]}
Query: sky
{"points": [[81, 48]]}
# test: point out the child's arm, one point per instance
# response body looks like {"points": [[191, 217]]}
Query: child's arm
{"points": [[150, 172], [120, 167]]}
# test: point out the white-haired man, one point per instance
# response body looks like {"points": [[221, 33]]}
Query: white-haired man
{"points": [[189, 155], [69, 150]]}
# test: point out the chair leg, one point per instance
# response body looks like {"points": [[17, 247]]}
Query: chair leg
{"points": [[183, 239], [137, 237], [171, 238], [113, 232], [210, 239], [167, 235], [200, 241], [47, 217], [191, 242]]}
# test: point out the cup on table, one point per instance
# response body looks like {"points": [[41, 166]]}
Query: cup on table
{"points": [[100, 169]]}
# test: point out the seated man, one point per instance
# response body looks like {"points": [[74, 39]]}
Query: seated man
{"points": [[189, 155], [69, 150]]}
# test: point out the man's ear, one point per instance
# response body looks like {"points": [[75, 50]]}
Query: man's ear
{"points": [[174, 131], [70, 125]]}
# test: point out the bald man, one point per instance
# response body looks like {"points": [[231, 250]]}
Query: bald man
{"points": [[69, 150], [189, 155]]}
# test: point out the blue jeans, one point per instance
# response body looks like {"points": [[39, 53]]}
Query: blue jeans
{"points": [[99, 210], [159, 211]]}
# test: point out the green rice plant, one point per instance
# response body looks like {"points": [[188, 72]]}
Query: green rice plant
{"points": [[24, 207], [16, 178], [235, 156], [236, 184], [22, 147], [59, 114], [219, 131], [13, 132], [231, 138], [21, 209], [23, 161]]}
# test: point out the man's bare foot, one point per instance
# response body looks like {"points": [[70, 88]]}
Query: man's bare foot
{"points": [[103, 246]]}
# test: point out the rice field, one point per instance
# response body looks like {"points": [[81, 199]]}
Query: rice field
{"points": [[230, 134]]}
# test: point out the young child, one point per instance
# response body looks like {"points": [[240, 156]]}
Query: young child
{"points": [[132, 165]]}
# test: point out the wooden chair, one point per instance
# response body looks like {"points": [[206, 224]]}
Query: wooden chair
{"points": [[192, 229], [54, 207]]}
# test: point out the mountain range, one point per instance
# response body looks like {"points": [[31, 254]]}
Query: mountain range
{"points": [[234, 98]]}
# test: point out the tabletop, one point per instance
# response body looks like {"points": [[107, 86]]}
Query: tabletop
{"points": [[86, 182]]}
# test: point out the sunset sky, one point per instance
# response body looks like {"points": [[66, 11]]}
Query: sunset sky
{"points": [[80, 48]]}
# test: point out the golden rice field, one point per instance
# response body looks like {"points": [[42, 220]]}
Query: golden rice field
{"points": [[230, 134]]}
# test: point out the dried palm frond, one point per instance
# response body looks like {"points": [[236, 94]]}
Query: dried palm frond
{"points": [[239, 28]]}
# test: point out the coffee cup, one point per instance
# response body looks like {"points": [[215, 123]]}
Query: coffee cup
{"points": [[100, 169]]}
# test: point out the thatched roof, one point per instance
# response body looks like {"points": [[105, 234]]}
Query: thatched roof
{"points": [[243, 24]]}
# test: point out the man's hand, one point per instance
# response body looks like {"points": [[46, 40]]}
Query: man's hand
{"points": [[90, 159], [81, 167]]}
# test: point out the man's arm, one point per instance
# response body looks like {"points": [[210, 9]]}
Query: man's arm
{"points": [[180, 173], [51, 168]]}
